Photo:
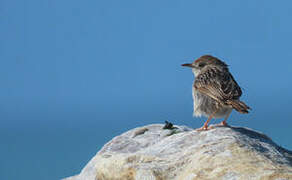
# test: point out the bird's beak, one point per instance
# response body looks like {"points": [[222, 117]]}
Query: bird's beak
{"points": [[188, 65]]}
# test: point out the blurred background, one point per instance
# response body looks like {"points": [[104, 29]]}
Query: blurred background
{"points": [[74, 74]]}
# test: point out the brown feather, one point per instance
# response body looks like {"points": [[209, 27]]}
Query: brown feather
{"points": [[222, 87], [239, 106]]}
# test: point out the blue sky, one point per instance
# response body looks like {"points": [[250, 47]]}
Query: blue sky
{"points": [[75, 74]]}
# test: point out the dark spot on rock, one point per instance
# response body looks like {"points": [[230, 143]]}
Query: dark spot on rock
{"points": [[168, 125]]}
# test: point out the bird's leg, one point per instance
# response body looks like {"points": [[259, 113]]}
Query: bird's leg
{"points": [[224, 123], [205, 126]]}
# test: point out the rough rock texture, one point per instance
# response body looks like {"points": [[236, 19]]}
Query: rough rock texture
{"points": [[153, 153]]}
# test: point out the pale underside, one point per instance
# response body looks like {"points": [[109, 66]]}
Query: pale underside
{"points": [[205, 106]]}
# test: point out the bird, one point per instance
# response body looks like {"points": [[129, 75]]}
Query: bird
{"points": [[215, 91]]}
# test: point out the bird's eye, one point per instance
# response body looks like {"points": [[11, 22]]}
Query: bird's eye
{"points": [[202, 65]]}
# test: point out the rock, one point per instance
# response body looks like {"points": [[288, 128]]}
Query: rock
{"points": [[181, 153]]}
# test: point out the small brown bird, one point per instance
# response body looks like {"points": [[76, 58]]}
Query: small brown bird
{"points": [[215, 92]]}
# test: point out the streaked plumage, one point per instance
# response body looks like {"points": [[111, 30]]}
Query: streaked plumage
{"points": [[215, 91]]}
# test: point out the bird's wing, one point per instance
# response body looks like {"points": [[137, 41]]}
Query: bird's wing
{"points": [[218, 84]]}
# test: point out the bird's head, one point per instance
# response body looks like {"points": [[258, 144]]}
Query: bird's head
{"points": [[205, 62]]}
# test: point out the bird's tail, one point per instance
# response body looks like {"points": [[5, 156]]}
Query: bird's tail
{"points": [[239, 106]]}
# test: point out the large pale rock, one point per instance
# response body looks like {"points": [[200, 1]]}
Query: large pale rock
{"points": [[153, 153]]}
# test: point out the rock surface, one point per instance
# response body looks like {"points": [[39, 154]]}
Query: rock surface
{"points": [[181, 153]]}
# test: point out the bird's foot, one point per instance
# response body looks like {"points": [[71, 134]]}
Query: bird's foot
{"points": [[223, 123], [204, 128]]}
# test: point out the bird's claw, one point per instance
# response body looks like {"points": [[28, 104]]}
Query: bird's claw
{"points": [[223, 123], [204, 128]]}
